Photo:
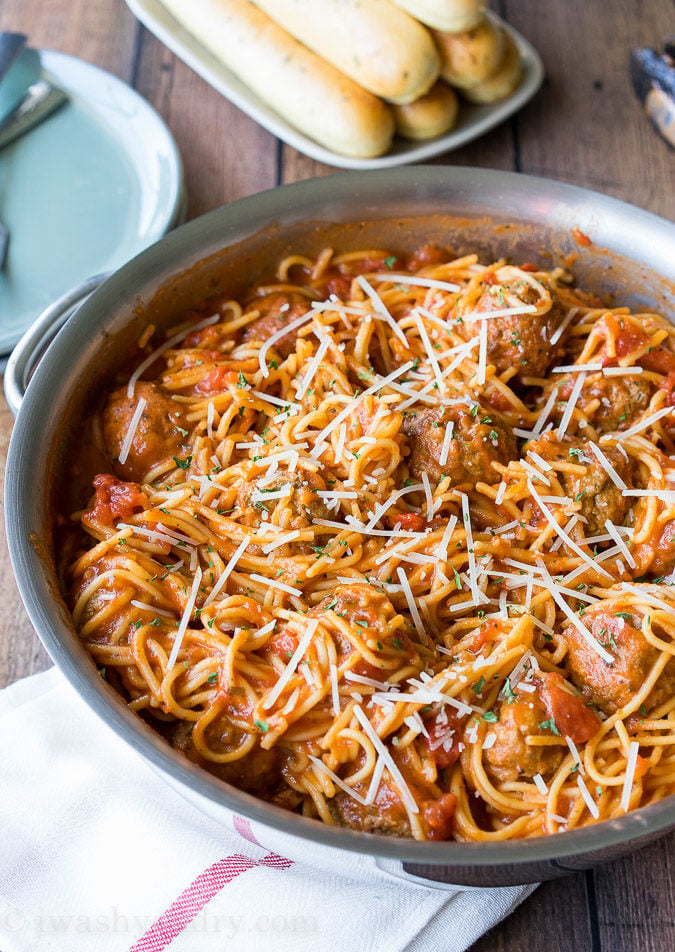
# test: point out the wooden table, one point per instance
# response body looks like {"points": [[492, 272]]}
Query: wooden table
{"points": [[583, 127]]}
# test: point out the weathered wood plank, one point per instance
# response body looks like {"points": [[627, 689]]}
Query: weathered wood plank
{"points": [[588, 127], [225, 154], [102, 33], [554, 917], [635, 900]]}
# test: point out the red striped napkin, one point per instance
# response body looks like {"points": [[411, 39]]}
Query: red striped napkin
{"points": [[98, 852]]}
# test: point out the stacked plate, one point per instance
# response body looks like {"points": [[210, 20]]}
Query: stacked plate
{"points": [[83, 192]]}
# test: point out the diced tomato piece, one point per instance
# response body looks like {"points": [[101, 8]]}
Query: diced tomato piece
{"points": [[629, 340], [375, 263], [339, 286], [424, 256], [367, 670], [410, 521], [283, 643], [626, 340], [658, 359], [202, 356], [444, 737], [569, 712], [497, 400], [217, 379], [668, 384], [115, 500], [580, 237], [206, 337], [488, 631], [528, 266], [439, 817]]}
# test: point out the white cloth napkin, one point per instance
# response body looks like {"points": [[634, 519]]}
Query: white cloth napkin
{"points": [[97, 851]]}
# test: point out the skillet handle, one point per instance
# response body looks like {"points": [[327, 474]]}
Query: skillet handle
{"points": [[29, 351], [418, 874]]}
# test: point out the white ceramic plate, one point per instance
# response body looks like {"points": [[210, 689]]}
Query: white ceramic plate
{"points": [[87, 189], [473, 121]]}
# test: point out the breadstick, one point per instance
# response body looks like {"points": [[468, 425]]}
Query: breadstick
{"points": [[430, 115], [374, 42], [305, 90]]}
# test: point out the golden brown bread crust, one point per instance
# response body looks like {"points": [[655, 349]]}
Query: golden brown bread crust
{"points": [[473, 56], [430, 115], [304, 89], [451, 15], [373, 42], [502, 83]]}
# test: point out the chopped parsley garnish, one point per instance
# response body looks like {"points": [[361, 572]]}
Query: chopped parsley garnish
{"points": [[509, 693], [182, 463], [549, 725], [262, 726]]}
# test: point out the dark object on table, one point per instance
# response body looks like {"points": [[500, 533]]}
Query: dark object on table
{"points": [[653, 76], [39, 101], [11, 45]]}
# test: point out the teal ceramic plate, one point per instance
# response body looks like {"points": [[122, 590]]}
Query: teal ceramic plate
{"points": [[83, 192]]}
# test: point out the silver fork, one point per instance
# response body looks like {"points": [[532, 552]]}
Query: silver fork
{"points": [[40, 101], [4, 244], [11, 45]]}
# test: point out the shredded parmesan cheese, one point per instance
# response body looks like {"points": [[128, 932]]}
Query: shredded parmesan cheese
{"points": [[647, 422], [569, 409], [288, 671], [236, 555], [631, 763], [588, 799], [287, 329], [382, 751], [187, 615], [131, 431]]}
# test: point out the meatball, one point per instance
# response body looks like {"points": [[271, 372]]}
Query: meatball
{"points": [[361, 605], [600, 498], [258, 772], [302, 504], [160, 433], [517, 341], [479, 437], [386, 814], [510, 758], [613, 686], [571, 715], [657, 557], [376, 621], [276, 310], [622, 401]]}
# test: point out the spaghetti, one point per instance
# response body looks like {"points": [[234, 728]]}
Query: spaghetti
{"points": [[385, 544]]}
